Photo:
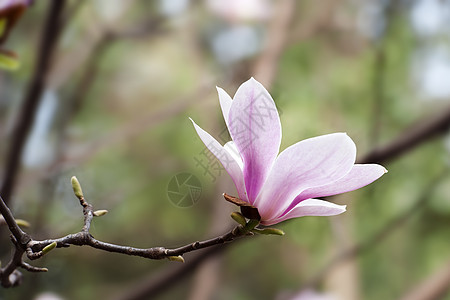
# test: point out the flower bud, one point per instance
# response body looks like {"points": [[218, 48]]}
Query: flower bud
{"points": [[77, 187], [100, 212], [23, 223], [178, 258]]}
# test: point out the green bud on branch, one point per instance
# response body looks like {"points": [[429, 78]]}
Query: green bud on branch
{"points": [[100, 212], [77, 188], [251, 224], [238, 217], [23, 223], [49, 248], [178, 258]]}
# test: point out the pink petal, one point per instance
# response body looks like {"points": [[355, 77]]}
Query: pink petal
{"points": [[225, 103], [309, 207], [255, 127], [359, 176], [309, 163], [227, 160]]}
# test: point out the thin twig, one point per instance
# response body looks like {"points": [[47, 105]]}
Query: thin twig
{"points": [[84, 238], [16, 231], [35, 249], [6, 279], [416, 134]]}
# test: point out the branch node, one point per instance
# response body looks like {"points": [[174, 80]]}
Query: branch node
{"points": [[33, 269]]}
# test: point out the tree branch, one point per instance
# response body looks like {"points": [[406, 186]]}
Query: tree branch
{"points": [[412, 137], [33, 94], [18, 233], [35, 249]]}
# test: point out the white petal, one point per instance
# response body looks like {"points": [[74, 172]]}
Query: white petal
{"points": [[234, 152], [225, 103], [309, 207], [228, 162]]}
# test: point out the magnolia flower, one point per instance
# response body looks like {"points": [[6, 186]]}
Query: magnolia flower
{"points": [[283, 186]]}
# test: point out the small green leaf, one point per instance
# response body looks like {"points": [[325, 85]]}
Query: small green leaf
{"points": [[49, 248], [238, 217], [269, 231], [251, 224]]}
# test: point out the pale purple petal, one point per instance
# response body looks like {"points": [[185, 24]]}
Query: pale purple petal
{"points": [[227, 160], [309, 163], [255, 127], [359, 176], [225, 103], [309, 207]]}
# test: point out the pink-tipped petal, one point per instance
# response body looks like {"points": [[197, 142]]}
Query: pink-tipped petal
{"points": [[359, 176], [309, 207], [309, 163], [255, 128], [227, 160], [225, 103]]}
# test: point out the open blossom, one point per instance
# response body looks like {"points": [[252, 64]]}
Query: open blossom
{"points": [[283, 186]]}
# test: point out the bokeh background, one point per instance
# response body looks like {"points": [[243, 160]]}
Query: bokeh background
{"points": [[122, 81]]}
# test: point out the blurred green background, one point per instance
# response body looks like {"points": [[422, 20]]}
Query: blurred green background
{"points": [[124, 79]]}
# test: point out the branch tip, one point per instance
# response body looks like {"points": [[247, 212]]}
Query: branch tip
{"points": [[76, 186]]}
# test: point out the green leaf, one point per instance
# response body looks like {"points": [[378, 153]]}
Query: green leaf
{"points": [[269, 231]]}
